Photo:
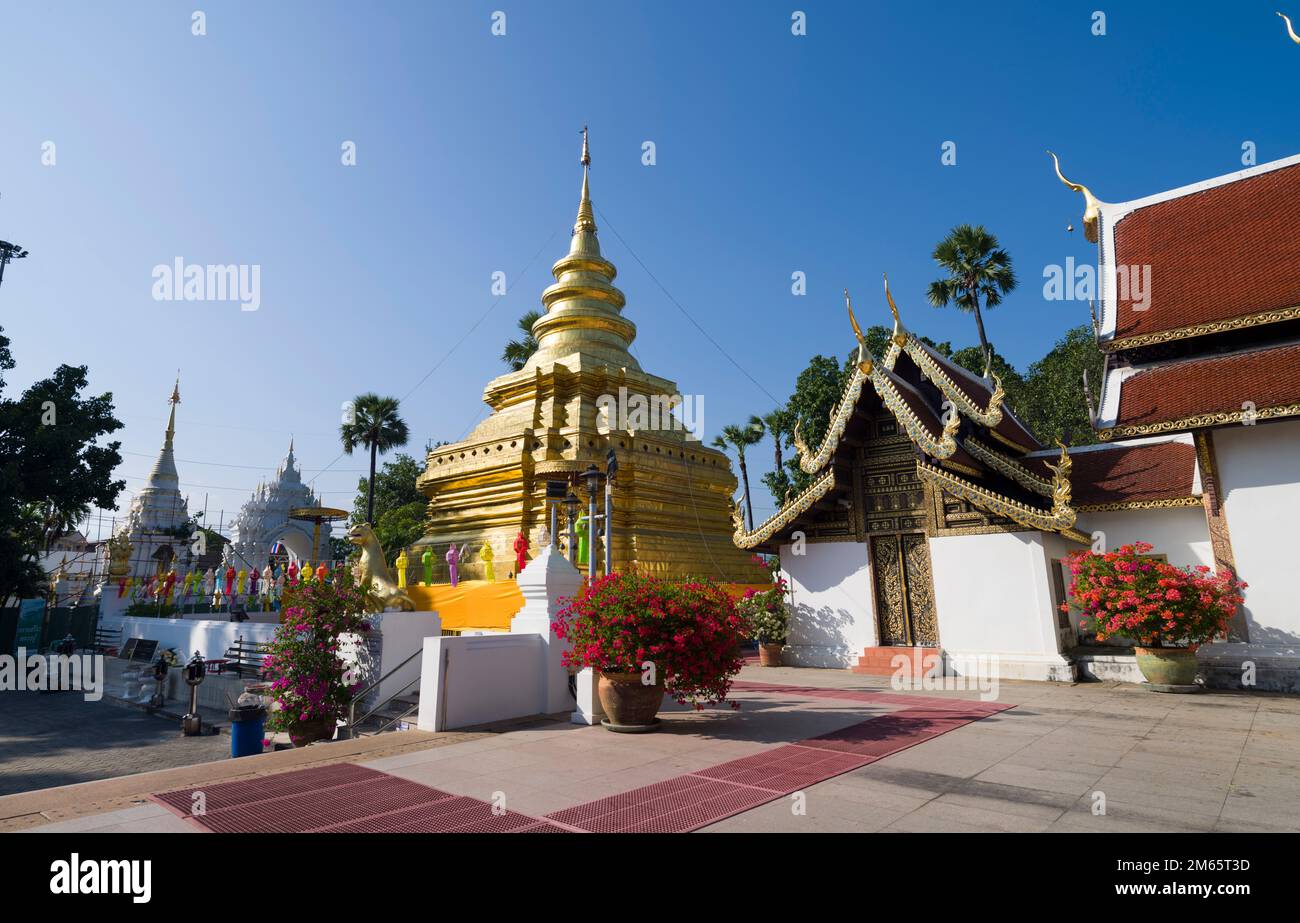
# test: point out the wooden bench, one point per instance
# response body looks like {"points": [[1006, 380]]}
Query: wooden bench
{"points": [[107, 640]]}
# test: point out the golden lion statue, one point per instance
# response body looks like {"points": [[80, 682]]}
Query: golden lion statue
{"points": [[373, 568]]}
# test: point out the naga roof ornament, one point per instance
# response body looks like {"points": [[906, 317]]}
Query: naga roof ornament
{"points": [[904, 341], [1092, 205], [743, 538]]}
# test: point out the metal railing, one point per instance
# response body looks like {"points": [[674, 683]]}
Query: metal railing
{"points": [[348, 730]]}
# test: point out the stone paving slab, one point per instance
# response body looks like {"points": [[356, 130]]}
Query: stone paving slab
{"points": [[1217, 761]]}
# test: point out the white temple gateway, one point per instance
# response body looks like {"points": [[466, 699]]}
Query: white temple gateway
{"points": [[264, 519], [945, 531]]}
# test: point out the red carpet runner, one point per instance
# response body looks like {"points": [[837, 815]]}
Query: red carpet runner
{"points": [[345, 798]]}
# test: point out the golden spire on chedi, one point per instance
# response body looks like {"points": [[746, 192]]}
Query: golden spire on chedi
{"points": [[578, 396]]}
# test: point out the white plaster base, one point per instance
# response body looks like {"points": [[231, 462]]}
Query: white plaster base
{"points": [[588, 710], [1224, 666], [826, 656], [995, 664]]}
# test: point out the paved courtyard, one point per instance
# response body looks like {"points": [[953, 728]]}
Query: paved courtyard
{"points": [[60, 739], [1090, 757]]}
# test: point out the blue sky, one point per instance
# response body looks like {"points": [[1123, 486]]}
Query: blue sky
{"points": [[775, 153]]}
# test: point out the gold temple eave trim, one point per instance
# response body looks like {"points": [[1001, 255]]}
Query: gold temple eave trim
{"points": [[787, 514], [1060, 520], [1200, 421], [905, 341], [867, 368], [1196, 330], [1167, 504], [941, 448], [811, 463], [1007, 467]]}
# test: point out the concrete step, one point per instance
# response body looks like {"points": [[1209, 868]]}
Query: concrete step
{"points": [[880, 661]]}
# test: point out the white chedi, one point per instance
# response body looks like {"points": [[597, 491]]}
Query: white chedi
{"points": [[264, 519]]}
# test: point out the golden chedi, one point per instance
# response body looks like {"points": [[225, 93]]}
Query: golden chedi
{"points": [[579, 396]]}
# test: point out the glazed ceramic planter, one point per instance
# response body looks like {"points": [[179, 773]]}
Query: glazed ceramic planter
{"points": [[307, 732], [1167, 666], [627, 701], [769, 655]]}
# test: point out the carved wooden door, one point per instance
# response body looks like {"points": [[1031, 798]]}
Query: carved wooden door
{"points": [[900, 566]]}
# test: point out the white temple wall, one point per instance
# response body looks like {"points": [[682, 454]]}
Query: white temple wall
{"points": [[1180, 533], [1259, 470], [995, 605], [833, 616]]}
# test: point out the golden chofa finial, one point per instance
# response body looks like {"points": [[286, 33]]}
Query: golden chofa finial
{"points": [[864, 357], [1289, 30], [899, 338], [1092, 205]]}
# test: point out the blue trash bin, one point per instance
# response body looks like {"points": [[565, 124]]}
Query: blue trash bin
{"points": [[247, 729]]}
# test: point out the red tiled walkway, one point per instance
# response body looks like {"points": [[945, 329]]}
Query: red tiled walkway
{"points": [[345, 798]]}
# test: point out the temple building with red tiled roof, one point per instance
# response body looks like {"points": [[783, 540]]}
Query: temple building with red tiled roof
{"points": [[1207, 345], [935, 520]]}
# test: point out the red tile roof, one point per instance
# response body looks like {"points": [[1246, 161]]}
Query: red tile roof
{"points": [[1225, 252], [1128, 473], [1210, 385]]}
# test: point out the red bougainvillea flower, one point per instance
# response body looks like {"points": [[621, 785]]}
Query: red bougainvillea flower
{"points": [[689, 633], [1127, 594]]}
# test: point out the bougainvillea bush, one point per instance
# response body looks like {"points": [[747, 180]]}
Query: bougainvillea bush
{"points": [[1126, 594], [766, 613], [309, 680], [690, 631]]}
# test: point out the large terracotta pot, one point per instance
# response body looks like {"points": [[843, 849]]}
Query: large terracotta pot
{"points": [[1168, 666], [769, 655], [627, 701], [307, 732]]}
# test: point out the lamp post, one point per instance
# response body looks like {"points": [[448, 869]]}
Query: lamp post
{"points": [[593, 478], [571, 514], [191, 723], [9, 252], [611, 470]]}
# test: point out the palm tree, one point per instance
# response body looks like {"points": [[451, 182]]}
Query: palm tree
{"points": [[977, 268], [779, 423], [739, 438], [518, 352], [374, 424]]}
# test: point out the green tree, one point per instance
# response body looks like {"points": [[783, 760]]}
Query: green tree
{"points": [[1013, 383], [52, 469], [740, 438], [1054, 404], [816, 391], [977, 269], [399, 528], [373, 422], [518, 352], [394, 487], [779, 424]]}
